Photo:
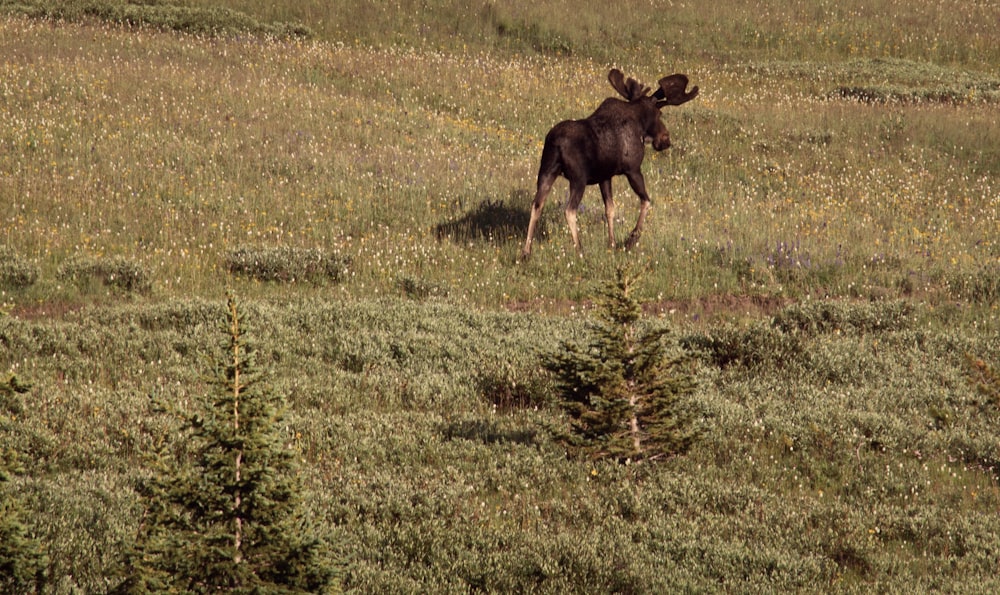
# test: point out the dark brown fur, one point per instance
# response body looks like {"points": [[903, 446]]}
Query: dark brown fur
{"points": [[610, 142]]}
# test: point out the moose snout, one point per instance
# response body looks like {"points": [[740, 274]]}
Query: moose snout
{"points": [[661, 141]]}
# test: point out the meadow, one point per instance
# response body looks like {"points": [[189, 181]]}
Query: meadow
{"points": [[825, 237]]}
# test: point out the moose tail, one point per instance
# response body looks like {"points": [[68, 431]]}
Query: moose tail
{"points": [[551, 165]]}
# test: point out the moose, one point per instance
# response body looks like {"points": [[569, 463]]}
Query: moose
{"points": [[609, 142]]}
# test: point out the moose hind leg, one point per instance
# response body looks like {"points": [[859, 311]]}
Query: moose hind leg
{"points": [[544, 187]]}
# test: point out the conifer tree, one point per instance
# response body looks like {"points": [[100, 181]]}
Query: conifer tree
{"points": [[22, 561], [626, 389], [229, 520]]}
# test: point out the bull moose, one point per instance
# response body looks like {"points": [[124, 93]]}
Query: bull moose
{"points": [[609, 142]]}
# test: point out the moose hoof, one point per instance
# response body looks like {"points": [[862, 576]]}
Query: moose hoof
{"points": [[631, 242]]}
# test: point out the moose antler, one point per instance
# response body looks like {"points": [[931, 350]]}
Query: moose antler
{"points": [[672, 91], [629, 89]]}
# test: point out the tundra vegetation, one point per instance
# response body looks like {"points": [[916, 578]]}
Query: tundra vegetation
{"points": [[822, 248]]}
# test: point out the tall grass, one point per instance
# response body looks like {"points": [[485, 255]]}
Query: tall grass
{"points": [[945, 31], [174, 151]]}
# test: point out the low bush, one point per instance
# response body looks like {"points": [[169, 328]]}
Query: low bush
{"points": [[986, 379], [159, 15], [117, 271], [814, 318], [510, 388], [748, 346], [16, 272], [420, 289], [859, 457], [285, 263]]}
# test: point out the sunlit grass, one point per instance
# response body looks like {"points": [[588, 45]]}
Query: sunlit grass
{"points": [[942, 32], [172, 150]]}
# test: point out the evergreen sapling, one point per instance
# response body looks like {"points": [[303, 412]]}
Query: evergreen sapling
{"points": [[627, 389], [22, 560], [229, 519]]}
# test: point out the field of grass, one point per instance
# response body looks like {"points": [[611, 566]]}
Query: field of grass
{"points": [[418, 166], [825, 235]]}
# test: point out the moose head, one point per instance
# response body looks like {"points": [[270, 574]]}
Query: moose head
{"points": [[671, 91], [609, 142]]}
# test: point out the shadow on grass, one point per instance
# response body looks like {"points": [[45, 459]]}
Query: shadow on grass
{"points": [[487, 432], [492, 221]]}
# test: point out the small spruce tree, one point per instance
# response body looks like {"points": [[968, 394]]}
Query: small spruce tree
{"points": [[986, 379], [228, 520], [22, 560], [626, 389]]}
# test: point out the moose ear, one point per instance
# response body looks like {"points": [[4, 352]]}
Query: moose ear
{"points": [[673, 91], [617, 80]]}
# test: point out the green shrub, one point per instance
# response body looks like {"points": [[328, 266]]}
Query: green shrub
{"points": [[116, 271], [16, 272], [285, 263], [792, 340], [755, 345], [814, 318], [986, 379], [161, 15], [508, 388], [9, 391], [895, 94], [420, 289]]}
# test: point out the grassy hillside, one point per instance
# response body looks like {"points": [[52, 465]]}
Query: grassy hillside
{"points": [[824, 237], [946, 31], [860, 177]]}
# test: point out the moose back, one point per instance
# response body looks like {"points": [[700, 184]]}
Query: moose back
{"points": [[610, 142]]}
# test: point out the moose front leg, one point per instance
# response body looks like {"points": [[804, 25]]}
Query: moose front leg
{"points": [[638, 184], [609, 211], [633, 238]]}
